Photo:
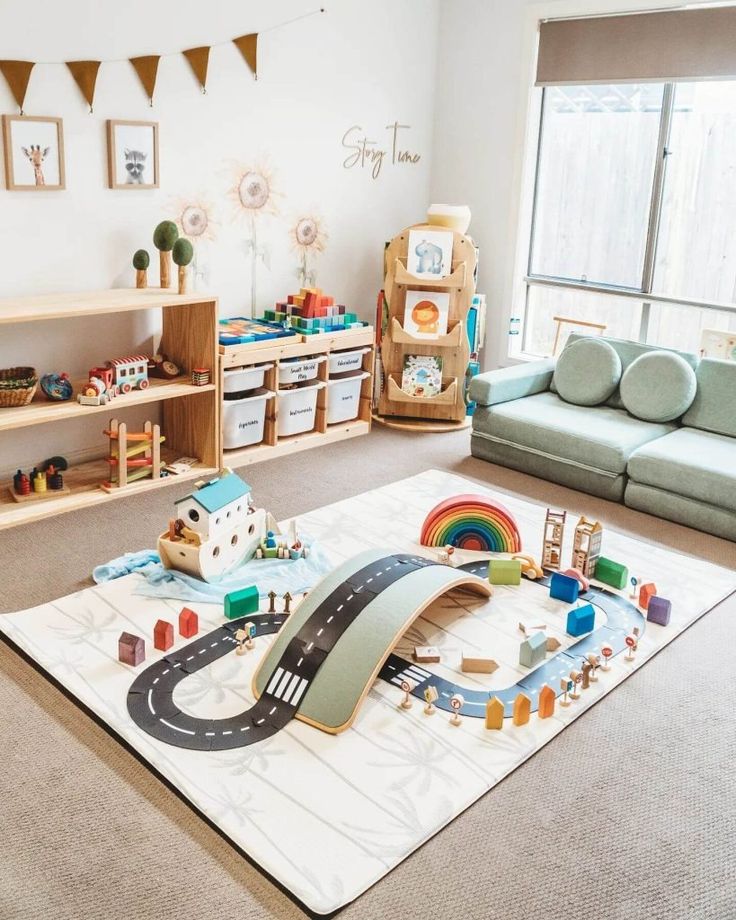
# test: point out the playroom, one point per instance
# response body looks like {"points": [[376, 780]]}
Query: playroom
{"points": [[367, 450]]}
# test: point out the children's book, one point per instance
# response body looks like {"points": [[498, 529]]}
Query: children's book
{"points": [[426, 313], [422, 375], [430, 253]]}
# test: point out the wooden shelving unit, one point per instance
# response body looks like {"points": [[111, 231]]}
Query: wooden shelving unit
{"points": [[190, 416], [275, 445]]}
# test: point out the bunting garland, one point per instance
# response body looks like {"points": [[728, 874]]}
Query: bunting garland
{"points": [[18, 73]]}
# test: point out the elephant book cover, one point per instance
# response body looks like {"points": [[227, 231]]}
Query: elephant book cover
{"points": [[430, 253], [426, 313]]}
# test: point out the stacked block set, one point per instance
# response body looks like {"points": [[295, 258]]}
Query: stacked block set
{"points": [[310, 311]]}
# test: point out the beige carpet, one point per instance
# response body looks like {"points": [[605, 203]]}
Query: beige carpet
{"points": [[629, 813]]}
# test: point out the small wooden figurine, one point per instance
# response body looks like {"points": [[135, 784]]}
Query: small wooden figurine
{"points": [[407, 686], [457, 701], [141, 261], [431, 696], [522, 709], [182, 254], [494, 713]]}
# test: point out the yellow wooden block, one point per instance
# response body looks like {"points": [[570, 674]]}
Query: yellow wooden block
{"points": [[522, 709], [494, 713]]}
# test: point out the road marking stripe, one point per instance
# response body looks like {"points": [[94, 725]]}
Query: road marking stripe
{"points": [[190, 657], [368, 580], [200, 652], [294, 681], [299, 663], [260, 721], [167, 671], [330, 618], [213, 644], [351, 597], [298, 695], [282, 685], [341, 606], [178, 664], [155, 680], [310, 647], [320, 630], [209, 734], [273, 710], [176, 728], [275, 679], [150, 702], [245, 728], [228, 732]]}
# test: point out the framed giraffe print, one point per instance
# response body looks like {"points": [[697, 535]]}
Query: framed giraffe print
{"points": [[34, 153], [132, 154]]}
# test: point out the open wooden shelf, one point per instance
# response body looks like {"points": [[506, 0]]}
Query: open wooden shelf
{"points": [[44, 410], [84, 481], [92, 303]]}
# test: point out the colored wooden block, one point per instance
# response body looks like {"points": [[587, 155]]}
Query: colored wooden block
{"points": [[659, 610], [477, 664], [611, 573], [504, 571], [131, 649], [188, 623], [240, 603], [426, 654], [494, 713], [533, 650], [522, 709], [580, 620], [163, 635], [547, 699], [646, 593], [564, 588]]}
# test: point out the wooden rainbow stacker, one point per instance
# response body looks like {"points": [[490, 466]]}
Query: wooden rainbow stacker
{"points": [[133, 455]]}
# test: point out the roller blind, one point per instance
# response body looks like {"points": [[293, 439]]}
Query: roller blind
{"points": [[697, 44]]}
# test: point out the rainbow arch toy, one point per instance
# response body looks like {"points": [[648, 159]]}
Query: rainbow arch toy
{"points": [[471, 522]]}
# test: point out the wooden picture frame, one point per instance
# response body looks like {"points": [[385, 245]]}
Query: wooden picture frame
{"points": [[129, 167], [26, 151]]}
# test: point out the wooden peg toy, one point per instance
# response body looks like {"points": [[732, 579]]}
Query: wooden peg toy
{"points": [[431, 696], [457, 701], [577, 678], [407, 686], [287, 601], [272, 602], [607, 652]]}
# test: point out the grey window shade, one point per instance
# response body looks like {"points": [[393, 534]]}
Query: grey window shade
{"points": [[698, 44]]}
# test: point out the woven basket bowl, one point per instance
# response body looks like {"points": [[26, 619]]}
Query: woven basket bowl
{"points": [[17, 386]]}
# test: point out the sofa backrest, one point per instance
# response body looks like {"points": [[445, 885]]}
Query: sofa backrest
{"points": [[629, 352], [714, 407]]}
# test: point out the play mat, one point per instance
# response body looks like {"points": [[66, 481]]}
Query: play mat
{"points": [[327, 815]]}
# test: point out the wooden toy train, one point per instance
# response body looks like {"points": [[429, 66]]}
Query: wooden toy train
{"points": [[121, 375]]}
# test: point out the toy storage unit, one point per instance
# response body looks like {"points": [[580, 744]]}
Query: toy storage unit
{"points": [[322, 393], [189, 416]]}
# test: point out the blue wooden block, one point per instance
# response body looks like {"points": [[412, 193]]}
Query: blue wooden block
{"points": [[564, 588], [580, 620]]}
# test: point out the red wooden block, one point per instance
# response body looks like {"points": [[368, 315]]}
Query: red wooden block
{"points": [[163, 635], [646, 593], [188, 623]]}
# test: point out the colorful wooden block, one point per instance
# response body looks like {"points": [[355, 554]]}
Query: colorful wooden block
{"points": [[611, 573], [646, 593], [131, 649], [504, 571], [547, 698], [240, 603], [580, 620], [533, 650], [522, 709], [163, 635], [426, 654], [494, 713], [477, 664], [188, 623], [564, 588], [659, 610]]}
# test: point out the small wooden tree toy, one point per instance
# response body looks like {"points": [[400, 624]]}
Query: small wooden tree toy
{"points": [[182, 253], [141, 261], [164, 237]]}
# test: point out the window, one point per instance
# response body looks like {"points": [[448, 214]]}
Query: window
{"points": [[634, 199]]}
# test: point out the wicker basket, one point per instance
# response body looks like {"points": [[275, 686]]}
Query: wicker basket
{"points": [[17, 386]]}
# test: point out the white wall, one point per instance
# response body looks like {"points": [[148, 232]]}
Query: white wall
{"points": [[357, 64]]}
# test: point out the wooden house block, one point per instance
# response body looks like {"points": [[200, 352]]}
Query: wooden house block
{"points": [[533, 650], [611, 573], [477, 664], [131, 649], [426, 654], [504, 571], [494, 713], [241, 603], [188, 623], [646, 593], [547, 700], [163, 635], [522, 709]]}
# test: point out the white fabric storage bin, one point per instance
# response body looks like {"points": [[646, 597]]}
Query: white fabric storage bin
{"points": [[343, 397], [297, 409], [298, 370], [242, 419], [238, 379], [343, 361]]}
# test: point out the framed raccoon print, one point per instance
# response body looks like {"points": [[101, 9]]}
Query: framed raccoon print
{"points": [[132, 154]]}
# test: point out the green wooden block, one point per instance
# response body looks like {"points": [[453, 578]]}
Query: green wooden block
{"points": [[504, 572], [611, 573], [240, 603]]}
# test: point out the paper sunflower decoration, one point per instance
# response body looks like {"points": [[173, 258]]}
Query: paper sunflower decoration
{"points": [[254, 197], [308, 238]]}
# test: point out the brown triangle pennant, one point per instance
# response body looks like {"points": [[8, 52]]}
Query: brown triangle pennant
{"points": [[147, 69], [247, 45], [199, 59], [17, 74], [85, 74]]}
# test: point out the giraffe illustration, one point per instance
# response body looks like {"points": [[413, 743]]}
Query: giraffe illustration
{"points": [[36, 156]]}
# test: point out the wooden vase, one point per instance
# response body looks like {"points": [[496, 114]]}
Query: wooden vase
{"points": [[141, 278], [165, 268], [183, 279]]}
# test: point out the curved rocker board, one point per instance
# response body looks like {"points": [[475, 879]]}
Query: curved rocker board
{"points": [[352, 664]]}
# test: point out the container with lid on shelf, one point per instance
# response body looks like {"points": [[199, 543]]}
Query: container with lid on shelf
{"points": [[343, 397], [239, 379], [299, 370], [343, 361], [297, 408], [243, 418]]}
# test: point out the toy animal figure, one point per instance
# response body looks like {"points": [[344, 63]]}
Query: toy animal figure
{"points": [[430, 258], [135, 166], [36, 157]]}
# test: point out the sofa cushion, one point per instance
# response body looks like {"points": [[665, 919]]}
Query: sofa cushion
{"points": [[658, 387], [587, 372], [597, 437], [697, 464], [714, 406]]}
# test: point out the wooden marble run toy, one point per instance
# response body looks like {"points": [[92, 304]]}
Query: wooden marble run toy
{"points": [[586, 547], [133, 455], [310, 312], [471, 522], [554, 532]]}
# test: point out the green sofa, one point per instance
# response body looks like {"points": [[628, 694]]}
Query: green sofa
{"points": [[682, 469]]}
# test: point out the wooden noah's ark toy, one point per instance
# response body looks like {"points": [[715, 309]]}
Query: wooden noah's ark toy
{"points": [[216, 528]]}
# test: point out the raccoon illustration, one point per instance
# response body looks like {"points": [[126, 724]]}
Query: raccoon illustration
{"points": [[135, 166]]}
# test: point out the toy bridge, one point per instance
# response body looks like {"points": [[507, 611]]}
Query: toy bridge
{"points": [[133, 455]]}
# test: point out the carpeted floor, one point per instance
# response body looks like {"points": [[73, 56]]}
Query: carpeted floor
{"points": [[628, 814]]}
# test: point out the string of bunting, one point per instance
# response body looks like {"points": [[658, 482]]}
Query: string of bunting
{"points": [[17, 74]]}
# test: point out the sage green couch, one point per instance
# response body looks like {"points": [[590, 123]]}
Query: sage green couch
{"points": [[683, 470]]}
